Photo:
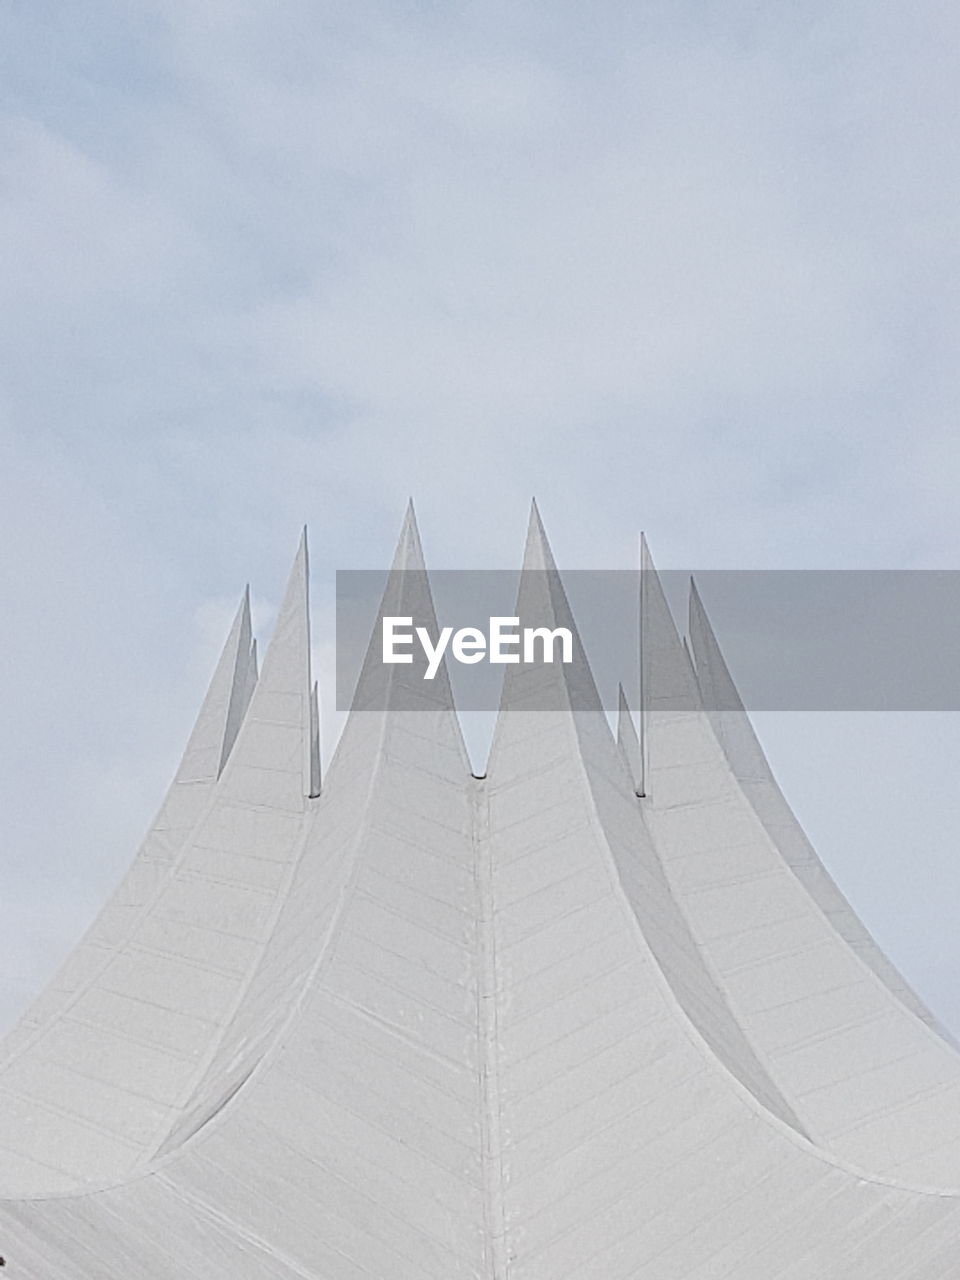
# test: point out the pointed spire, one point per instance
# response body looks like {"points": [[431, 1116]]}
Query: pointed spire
{"points": [[667, 679], [713, 675], [292, 617], [383, 687], [241, 685], [542, 602], [408, 556], [628, 741], [314, 743], [537, 553], [406, 594], [271, 755], [217, 722]]}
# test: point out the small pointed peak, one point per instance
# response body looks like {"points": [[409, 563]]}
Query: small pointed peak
{"points": [[241, 636], [409, 552], [628, 741], [668, 680], [295, 593], [293, 617], [215, 728], [388, 687], [626, 730], [646, 559], [314, 780], [240, 623], [718, 689], [696, 614], [243, 618], [243, 683], [278, 699], [535, 522], [296, 585], [537, 553], [703, 641], [622, 705], [542, 602]]}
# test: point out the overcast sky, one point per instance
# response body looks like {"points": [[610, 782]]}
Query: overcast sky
{"points": [[682, 267]]}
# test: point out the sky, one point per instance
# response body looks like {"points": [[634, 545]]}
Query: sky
{"points": [[681, 267]]}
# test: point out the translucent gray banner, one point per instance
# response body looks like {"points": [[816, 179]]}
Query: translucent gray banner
{"points": [[793, 640]]}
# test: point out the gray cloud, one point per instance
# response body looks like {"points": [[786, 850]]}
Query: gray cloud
{"points": [[691, 270]]}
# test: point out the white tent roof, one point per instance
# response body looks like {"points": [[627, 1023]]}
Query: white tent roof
{"points": [[524, 1027]]}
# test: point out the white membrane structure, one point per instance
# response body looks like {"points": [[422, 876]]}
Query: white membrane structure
{"points": [[416, 1024]]}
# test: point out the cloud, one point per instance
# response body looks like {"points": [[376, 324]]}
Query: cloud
{"points": [[692, 270]]}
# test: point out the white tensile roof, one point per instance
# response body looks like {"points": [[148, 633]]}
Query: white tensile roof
{"points": [[429, 1026]]}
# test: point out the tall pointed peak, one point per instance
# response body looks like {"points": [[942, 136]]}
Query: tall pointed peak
{"points": [[294, 604], [314, 742], [406, 594], [541, 589], [242, 679], [697, 617], [245, 639], [409, 553], [646, 559], [537, 553], [240, 631], [535, 518], [279, 699], [628, 740], [697, 620], [399, 688], [295, 596], [215, 727], [624, 717], [542, 603], [667, 676], [626, 729], [653, 597], [248, 643], [290, 642], [295, 591], [717, 687]]}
